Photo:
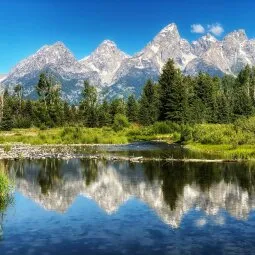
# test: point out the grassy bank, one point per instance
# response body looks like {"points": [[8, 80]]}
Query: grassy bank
{"points": [[225, 151], [81, 135], [229, 141]]}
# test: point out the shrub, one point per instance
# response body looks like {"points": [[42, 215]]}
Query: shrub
{"points": [[120, 122], [214, 134], [6, 124], [176, 136], [186, 134], [43, 127], [22, 122], [245, 124], [160, 128]]}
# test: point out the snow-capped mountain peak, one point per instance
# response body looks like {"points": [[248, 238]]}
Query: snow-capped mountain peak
{"points": [[57, 54], [108, 66], [203, 44], [168, 44], [238, 35], [108, 43], [170, 32], [171, 28], [209, 37], [105, 60]]}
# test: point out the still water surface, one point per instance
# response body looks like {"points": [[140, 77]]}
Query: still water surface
{"points": [[100, 207]]}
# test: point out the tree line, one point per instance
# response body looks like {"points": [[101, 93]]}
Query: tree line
{"points": [[175, 97]]}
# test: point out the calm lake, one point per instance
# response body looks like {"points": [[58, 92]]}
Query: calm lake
{"points": [[102, 207]]}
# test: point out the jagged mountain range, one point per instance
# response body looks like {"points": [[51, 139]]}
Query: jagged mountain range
{"points": [[116, 184], [115, 73]]}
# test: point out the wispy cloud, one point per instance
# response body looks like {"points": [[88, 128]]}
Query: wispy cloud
{"points": [[197, 28], [216, 29]]}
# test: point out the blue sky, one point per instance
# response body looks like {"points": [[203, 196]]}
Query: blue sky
{"points": [[26, 25]]}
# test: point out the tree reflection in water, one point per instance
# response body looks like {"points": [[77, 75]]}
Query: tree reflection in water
{"points": [[168, 188]]}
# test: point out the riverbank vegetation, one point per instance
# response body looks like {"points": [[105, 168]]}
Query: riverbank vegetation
{"points": [[206, 113], [233, 141], [5, 191], [84, 135]]}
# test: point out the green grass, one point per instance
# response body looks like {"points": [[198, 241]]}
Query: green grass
{"points": [[231, 141], [222, 134], [225, 151], [80, 135], [67, 135]]}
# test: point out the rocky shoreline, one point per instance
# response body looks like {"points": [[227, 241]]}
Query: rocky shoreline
{"points": [[65, 152]]}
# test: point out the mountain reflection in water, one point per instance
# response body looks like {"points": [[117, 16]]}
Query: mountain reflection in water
{"points": [[171, 190]]}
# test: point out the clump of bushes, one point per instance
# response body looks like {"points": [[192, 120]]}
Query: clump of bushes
{"points": [[120, 122], [245, 124], [213, 133], [166, 127], [241, 132], [186, 133]]}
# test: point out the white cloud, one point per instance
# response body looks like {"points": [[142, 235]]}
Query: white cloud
{"points": [[216, 29], [197, 28]]}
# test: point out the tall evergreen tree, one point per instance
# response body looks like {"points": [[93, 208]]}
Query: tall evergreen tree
{"points": [[89, 105], [205, 90], [242, 103], [43, 88], [117, 106], [223, 109], [104, 116], [18, 90], [149, 104], [132, 109], [173, 94]]}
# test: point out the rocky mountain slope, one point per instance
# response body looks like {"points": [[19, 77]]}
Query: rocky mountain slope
{"points": [[115, 73], [2, 77]]}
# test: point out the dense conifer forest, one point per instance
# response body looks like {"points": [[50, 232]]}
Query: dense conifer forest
{"points": [[175, 98]]}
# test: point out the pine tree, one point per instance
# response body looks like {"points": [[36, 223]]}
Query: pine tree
{"points": [[252, 85], [43, 88], [7, 120], [28, 113], [89, 105], [117, 106], [223, 109], [18, 90], [244, 79], [206, 90], [242, 103], [242, 96], [173, 94], [132, 109], [104, 116], [7, 112], [149, 104]]}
